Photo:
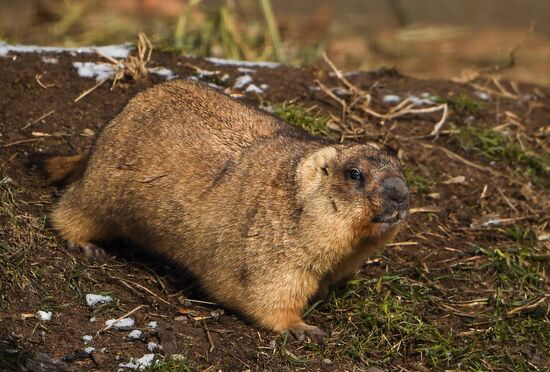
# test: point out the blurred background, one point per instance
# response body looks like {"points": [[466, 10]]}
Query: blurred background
{"points": [[423, 38]]}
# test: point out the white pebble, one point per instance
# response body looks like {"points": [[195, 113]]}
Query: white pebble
{"points": [[152, 324], [93, 319], [87, 338], [122, 324], [89, 349], [44, 315], [93, 299], [136, 334]]}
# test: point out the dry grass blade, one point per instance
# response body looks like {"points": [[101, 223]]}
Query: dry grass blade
{"points": [[135, 67], [363, 100]]}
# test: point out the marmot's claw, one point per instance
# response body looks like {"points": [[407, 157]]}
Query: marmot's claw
{"points": [[90, 250], [312, 333]]}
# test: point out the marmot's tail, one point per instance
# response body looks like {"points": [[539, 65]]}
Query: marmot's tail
{"points": [[61, 170]]}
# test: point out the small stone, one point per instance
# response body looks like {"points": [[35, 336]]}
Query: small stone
{"points": [[87, 338], [327, 361]]}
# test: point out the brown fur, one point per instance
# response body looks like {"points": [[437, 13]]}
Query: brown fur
{"points": [[259, 211]]}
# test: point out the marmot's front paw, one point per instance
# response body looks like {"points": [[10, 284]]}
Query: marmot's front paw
{"points": [[90, 250], [305, 331]]}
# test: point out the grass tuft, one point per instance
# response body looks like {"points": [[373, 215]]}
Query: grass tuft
{"points": [[494, 146], [464, 104], [296, 114], [417, 184], [173, 363]]}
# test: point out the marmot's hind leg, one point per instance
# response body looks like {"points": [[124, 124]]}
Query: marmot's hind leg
{"points": [[80, 227]]}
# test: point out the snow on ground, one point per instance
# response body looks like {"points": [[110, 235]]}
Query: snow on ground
{"points": [[94, 299], [123, 324], [234, 62], [44, 315], [152, 324], [163, 72], [136, 334], [99, 71], [114, 51], [87, 338], [140, 363]]}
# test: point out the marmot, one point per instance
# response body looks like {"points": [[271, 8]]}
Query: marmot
{"points": [[264, 214]]}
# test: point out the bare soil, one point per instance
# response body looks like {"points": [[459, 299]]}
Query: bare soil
{"points": [[439, 250]]}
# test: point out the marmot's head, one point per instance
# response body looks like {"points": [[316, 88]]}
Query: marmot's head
{"points": [[360, 186]]}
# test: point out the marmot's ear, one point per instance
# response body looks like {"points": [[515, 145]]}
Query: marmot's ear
{"points": [[315, 166]]}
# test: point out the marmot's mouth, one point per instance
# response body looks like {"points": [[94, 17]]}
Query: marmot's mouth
{"points": [[390, 218]]}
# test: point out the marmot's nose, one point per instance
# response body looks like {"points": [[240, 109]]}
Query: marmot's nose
{"points": [[394, 190]]}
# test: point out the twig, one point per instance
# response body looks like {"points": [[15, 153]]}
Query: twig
{"points": [[118, 319], [212, 346], [37, 120], [21, 142], [85, 93], [531, 305], [45, 86], [145, 289]]}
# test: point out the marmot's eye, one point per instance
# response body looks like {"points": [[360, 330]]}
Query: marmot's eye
{"points": [[355, 174]]}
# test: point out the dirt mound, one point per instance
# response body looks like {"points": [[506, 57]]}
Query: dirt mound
{"points": [[465, 285]]}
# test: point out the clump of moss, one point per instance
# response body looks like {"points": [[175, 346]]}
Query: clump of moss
{"points": [[463, 104], [296, 114], [494, 146]]}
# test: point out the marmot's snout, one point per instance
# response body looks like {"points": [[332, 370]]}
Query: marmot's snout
{"points": [[395, 201]]}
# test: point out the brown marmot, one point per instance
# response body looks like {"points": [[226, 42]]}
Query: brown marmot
{"points": [[264, 214]]}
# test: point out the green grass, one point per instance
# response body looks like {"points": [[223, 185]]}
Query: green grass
{"points": [[174, 363], [494, 146], [463, 104], [417, 183], [296, 114]]}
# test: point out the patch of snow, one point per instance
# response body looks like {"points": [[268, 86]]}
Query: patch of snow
{"points": [[140, 363], [234, 62], [242, 81], [87, 338], [484, 96], [152, 324], [93, 299], [424, 99], [99, 71], [163, 72], [50, 60], [340, 92], [492, 222], [245, 70], [136, 334], [89, 350], [115, 51], [44, 315], [391, 98], [252, 88], [153, 346], [122, 324]]}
